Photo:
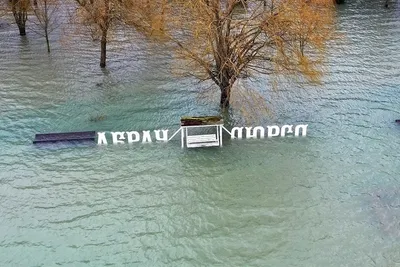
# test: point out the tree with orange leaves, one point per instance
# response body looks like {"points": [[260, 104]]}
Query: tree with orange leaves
{"points": [[223, 39]]}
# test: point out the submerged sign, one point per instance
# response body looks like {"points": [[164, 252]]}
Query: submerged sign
{"points": [[210, 128], [133, 137], [200, 140]]}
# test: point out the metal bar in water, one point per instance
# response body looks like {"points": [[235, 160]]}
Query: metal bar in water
{"points": [[69, 136]]}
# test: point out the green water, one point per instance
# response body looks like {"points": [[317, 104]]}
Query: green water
{"points": [[330, 199]]}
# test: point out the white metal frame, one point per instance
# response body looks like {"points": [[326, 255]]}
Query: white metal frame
{"points": [[201, 140]]}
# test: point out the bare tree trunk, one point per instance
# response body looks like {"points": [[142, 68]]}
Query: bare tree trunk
{"points": [[46, 29], [104, 30], [103, 49], [47, 42], [22, 30], [20, 15], [225, 96]]}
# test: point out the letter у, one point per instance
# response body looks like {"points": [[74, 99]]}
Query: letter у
{"points": [[164, 137], [101, 138], [253, 134], [118, 137]]}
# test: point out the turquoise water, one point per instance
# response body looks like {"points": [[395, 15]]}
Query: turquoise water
{"points": [[330, 199]]}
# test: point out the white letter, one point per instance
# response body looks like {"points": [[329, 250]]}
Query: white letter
{"points": [[270, 131], [146, 137], [118, 137], [130, 137], [101, 138], [239, 131], [303, 130], [249, 134], [164, 133], [289, 129]]}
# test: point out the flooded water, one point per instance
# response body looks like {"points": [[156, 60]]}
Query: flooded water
{"points": [[330, 199]]}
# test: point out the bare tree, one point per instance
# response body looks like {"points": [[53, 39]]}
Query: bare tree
{"points": [[102, 16], [46, 12], [99, 16]]}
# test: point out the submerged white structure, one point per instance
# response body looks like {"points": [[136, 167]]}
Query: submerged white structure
{"points": [[271, 131], [213, 137], [201, 140], [189, 124]]}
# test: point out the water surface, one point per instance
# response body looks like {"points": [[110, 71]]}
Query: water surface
{"points": [[330, 199]]}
